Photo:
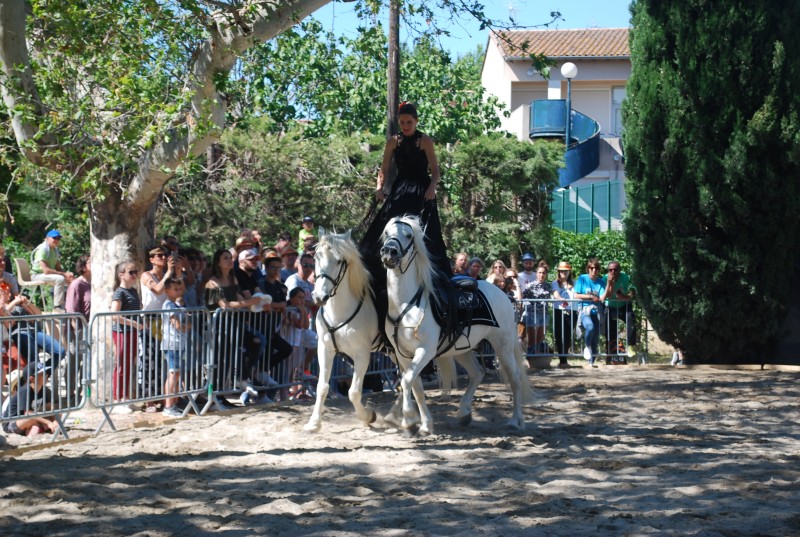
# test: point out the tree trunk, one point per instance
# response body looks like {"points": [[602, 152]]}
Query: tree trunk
{"points": [[118, 234]]}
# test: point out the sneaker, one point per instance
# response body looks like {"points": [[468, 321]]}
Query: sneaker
{"points": [[121, 409], [172, 412], [244, 398], [306, 375], [248, 388], [587, 354], [631, 351]]}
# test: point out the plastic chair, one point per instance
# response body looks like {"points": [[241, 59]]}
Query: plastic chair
{"points": [[25, 282]]}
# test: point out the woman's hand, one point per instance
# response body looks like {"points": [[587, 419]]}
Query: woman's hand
{"points": [[430, 194], [379, 195]]}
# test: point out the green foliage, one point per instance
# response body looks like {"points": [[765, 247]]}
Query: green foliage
{"points": [[577, 248], [494, 197], [269, 183], [497, 195], [110, 77], [712, 154], [338, 85]]}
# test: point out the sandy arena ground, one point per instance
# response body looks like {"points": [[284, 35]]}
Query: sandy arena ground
{"points": [[616, 451]]}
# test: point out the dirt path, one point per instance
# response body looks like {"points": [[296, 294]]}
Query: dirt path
{"points": [[615, 451]]}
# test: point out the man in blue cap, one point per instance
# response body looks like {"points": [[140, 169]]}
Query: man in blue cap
{"points": [[46, 267], [527, 275]]}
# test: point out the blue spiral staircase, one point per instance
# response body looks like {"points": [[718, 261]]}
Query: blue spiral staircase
{"points": [[548, 120]]}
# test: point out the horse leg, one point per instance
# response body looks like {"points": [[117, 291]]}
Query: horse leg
{"points": [[412, 384], [325, 359], [360, 366], [476, 373], [395, 414]]}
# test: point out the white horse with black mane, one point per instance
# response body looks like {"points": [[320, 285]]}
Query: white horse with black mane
{"points": [[415, 333]]}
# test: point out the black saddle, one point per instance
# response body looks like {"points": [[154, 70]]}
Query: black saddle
{"points": [[462, 305]]}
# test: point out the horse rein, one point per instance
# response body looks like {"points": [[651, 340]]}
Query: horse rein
{"points": [[333, 329], [415, 302], [337, 281]]}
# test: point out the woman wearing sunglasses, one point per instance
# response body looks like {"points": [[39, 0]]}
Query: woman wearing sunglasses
{"points": [[591, 290]]}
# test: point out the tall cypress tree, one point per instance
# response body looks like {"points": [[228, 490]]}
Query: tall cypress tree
{"points": [[712, 157]]}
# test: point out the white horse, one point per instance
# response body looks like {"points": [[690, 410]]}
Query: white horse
{"points": [[347, 322], [414, 333]]}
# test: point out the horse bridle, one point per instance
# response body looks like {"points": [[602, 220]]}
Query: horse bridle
{"points": [[333, 329], [337, 281], [403, 251]]}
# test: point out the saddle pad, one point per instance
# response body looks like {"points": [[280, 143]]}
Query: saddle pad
{"points": [[473, 308], [481, 312]]}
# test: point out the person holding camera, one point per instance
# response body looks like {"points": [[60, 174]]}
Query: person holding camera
{"points": [[164, 265]]}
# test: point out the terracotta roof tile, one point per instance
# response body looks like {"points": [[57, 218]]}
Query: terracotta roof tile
{"points": [[587, 43]]}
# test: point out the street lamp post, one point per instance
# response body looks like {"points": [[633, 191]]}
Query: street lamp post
{"points": [[569, 71]]}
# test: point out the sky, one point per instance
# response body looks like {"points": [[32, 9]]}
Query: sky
{"points": [[466, 35]]}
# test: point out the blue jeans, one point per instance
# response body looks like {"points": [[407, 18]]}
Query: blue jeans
{"points": [[31, 343], [591, 330], [173, 358]]}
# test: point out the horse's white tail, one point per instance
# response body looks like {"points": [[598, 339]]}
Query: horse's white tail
{"points": [[521, 372], [448, 378], [522, 365]]}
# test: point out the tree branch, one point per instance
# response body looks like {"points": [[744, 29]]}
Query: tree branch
{"points": [[235, 31]]}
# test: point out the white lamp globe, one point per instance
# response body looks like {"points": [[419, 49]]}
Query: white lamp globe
{"points": [[569, 70]]}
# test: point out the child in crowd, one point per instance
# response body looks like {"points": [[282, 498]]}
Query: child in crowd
{"points": [[30, 397], [124, 332], [307, 230], [302, 338], [175, 324]]}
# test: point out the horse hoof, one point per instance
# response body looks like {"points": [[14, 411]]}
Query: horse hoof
{"points": [[515, 426], [312, 427], [411, 431], [392, 419], [465, 420]]}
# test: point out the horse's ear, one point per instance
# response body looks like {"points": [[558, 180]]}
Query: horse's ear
{"points": [[348, 234]]}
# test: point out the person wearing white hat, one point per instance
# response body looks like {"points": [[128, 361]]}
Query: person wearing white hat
{"points": [[565, 314]]}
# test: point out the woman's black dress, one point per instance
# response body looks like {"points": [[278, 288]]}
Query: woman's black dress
{"points": [[406, 198]]}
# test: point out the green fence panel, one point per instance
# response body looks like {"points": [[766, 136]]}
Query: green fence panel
{"points": [[585, 208]]}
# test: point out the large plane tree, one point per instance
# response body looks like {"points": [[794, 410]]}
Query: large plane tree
{"points": [[108, 99]]}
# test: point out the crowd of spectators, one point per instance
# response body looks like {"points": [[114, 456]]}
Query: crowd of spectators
{"points": [[593, 304], [276, 280]]}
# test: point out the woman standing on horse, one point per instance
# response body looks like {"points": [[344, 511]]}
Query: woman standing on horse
{"points": [[413, 192]]}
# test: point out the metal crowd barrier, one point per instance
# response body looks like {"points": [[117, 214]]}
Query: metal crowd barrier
{"points": [[55, 343], [556, 330], [131, 369], [380, 364], [118, 362]]}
